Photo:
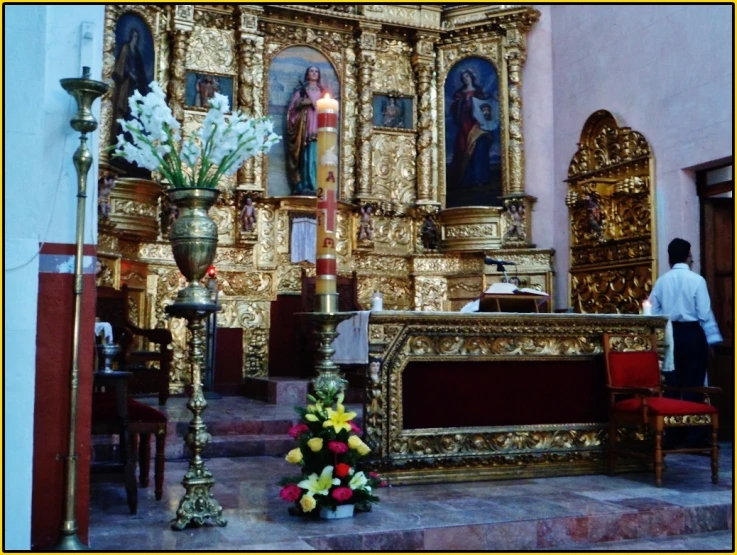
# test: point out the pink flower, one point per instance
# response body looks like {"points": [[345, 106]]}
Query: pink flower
{"points": [[291, 492], [337, 447], [296, 431], [342, 494], [373, 475], [342, 470], [356, 429]]}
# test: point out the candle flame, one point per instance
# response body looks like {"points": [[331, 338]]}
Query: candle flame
{"points": [[327, 95]]}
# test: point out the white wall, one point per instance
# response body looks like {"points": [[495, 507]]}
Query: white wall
{"points": [[537, 107], [665, 71], [42, 46]]}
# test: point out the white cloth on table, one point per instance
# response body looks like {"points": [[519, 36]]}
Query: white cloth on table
{"points": [[473, 306], [106, 329], [351, 345], [668, 364], [303, 244]]}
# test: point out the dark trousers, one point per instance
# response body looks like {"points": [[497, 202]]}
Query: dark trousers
{"points": [[690, 358]]}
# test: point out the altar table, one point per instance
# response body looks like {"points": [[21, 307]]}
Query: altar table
{"points": [[475, 396]]}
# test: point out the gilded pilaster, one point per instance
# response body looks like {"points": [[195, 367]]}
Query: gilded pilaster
{"points": [[250, 71], [183, 24], [515, 56], [423, 63], [366, 62]]}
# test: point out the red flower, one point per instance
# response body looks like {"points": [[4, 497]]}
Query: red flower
{"points": [[337, 447], [342, 494], [291, 492], [342, 470], [356, 429], [296, 431]]}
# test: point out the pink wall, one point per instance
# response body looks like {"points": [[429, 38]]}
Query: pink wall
{"points": [[663, 70]]}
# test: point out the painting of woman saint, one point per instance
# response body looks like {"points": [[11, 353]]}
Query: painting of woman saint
{"points": [[133, 71], [298, 77], [472, 138]]}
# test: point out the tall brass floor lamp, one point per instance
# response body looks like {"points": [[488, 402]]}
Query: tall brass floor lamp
{"points": [[85, 91]]}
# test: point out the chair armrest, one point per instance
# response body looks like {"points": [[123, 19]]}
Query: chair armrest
{"points": [[705, 390], [634, 390], [155, 335]]}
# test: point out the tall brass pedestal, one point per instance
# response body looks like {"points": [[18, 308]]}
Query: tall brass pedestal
{"points": [[198, 506]]}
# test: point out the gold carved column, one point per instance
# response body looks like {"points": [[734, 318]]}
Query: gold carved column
{"points": [[250, 73], [367, 60], [183, 24], [423, 63]]}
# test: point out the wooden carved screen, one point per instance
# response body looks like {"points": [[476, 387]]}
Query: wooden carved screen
{"points": [[612, 221]]}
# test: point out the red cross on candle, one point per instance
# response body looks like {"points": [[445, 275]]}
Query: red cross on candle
{"points": [[328, 207]]}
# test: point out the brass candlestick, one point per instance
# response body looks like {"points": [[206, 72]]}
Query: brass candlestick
{"points": [[85, 91], [198, 506]]}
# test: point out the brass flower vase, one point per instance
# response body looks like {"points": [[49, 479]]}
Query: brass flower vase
{"points": [[194, 240]]}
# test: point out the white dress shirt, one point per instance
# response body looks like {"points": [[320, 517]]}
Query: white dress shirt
{"points": [[681, 295]]}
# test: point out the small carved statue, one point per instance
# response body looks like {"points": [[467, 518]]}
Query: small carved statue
{"points": [[248, 216], [429, 233], [375, 370], [104, 187], [594, 217], [516, 220], [366, 226]]}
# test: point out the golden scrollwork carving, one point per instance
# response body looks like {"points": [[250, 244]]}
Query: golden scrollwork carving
{"points": [[211, 50], [254, 285], [393, 167], [610, 202], [255, 352], [431, 294], [219, 17], [687, 420], [266, 255], [348, 150], [387, 265], [396, 291], [366, 63], [611, 291], [393, 70], [393, 234]]}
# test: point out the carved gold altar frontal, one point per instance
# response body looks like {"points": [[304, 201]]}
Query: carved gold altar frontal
{"points": [[550, 360], [392, 227], [610, 200]]}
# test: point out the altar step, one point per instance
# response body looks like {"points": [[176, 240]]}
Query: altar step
{"points": [[291, 391], [239, 427]]}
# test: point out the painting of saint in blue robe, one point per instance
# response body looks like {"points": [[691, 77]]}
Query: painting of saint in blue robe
{"points": [[472, 135]]}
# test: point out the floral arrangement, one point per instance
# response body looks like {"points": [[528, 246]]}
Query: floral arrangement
{"points": [[329, 449], [220, 146]]}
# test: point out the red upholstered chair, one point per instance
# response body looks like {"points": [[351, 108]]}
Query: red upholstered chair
{"points": [[636, 401], [143, 421]]}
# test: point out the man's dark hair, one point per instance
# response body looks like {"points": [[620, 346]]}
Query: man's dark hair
{"points": [[678, 251]]}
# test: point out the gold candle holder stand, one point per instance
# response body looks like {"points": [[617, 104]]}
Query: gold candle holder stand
{"points": [[198, 506], [328, 379], [84, 90]]}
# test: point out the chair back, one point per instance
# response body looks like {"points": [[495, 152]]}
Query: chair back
{"points": [[631, 361]]}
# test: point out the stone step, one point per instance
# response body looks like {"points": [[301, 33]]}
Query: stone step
{"points": [[277, 391], [244, 445]]}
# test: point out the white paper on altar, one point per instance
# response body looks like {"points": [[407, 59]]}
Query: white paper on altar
{"points": [[473, 306], [106, 328], [351, 345], [303, 245]]}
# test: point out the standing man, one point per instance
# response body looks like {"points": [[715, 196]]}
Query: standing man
{"points": [[681, 295]]}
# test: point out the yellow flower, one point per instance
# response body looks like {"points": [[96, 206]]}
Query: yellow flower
{"points": [[354, 442], [339, 419], [308, 503], [294, 456], [311, 417], [315, 444], [363, 449], [319, 485]]}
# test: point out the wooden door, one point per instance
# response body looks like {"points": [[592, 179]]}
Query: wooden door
{"points": [[717, 265]]}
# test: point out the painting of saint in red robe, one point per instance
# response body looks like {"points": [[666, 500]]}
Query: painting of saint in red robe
{"points": [[472, 138]]}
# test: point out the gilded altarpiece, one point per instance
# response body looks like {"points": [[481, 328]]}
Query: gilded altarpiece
{"points": [[612, 218], [420, 256]]}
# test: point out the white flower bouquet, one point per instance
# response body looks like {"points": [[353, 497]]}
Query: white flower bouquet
{"points": [[220, 146]]}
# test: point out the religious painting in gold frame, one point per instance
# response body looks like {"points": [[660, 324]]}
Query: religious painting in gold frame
{"points": [[297, 77], [120, 20]]}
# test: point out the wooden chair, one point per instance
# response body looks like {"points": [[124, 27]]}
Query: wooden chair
{"points": [[112, 307], [636, 401], [135, 423]]}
